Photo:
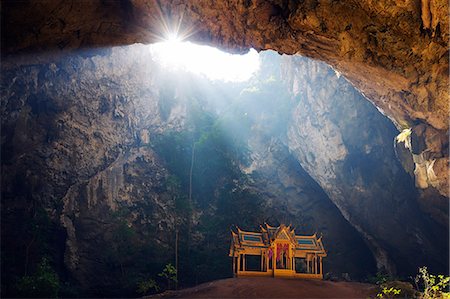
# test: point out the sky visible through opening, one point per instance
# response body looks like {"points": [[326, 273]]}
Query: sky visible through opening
{"points": [[208, 61]]}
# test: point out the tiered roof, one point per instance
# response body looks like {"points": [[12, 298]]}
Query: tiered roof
{"points": [[269, 233]]}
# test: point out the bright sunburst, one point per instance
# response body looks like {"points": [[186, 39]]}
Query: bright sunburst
{"points": [[209, 61]]}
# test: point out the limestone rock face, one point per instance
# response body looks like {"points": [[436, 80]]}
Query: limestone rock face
{"points": [[75, 137], [130, 192], [395, 53], [42, 117], [290, 193], [333, 137]]}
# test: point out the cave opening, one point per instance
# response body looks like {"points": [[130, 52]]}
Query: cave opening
{"points": [[152, 152], [209, 61]]}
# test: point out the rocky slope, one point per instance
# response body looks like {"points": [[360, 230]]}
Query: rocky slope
{"points": [[395, 53]]}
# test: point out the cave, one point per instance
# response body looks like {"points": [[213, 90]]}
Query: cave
{"points": [[127, 149]]}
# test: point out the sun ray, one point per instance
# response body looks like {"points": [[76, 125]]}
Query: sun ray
{"points": [[173, 50], [172, 26]]}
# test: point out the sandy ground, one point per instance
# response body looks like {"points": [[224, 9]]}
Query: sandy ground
{"points": [[274, 288]]}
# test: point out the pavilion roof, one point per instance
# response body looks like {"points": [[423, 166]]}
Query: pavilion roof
{"points": [[268, 234]]}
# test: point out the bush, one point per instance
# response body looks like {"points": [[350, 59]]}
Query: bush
{"points": [[388, 292], [433, 286], [406, 289], [43, 284], [380, 278], [169, 273], [146, 286]]}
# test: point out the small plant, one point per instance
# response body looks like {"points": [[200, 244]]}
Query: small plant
{"points": [[43, 283], [433, 286], [169, 273], [388, 293], [380, 278], [390, 287], [146, 286], [405, 137]]}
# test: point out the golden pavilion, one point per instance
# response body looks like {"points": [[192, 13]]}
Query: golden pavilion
{"points": [[277, 252]]}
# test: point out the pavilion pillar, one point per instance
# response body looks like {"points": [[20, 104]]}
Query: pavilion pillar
{"points": [[274, 260], [293, 262], [262, 262], [315, 264], [307, 264], [238, 263], [243, 262], [321, 267]]}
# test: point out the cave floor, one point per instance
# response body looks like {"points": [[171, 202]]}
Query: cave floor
{"points": [[263, 287]]}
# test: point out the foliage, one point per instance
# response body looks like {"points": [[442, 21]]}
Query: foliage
{"points": [[126, 258], [388, 293], [124, 247], [389, 287], [170, 273], [380, 278], [428, 286], [406, 288], [21, 256], [433, 286], [145, 286], [43, 283], [405, 137], [250, 90]]}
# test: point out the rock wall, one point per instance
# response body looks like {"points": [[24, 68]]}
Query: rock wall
{"points": [[126, 202], [340, 140], [75, 142], [291, 196], [395, 53]]}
